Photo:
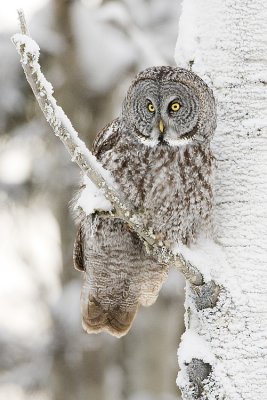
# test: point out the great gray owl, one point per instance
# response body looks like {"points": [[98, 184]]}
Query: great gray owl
{"points": [[158, 151]]}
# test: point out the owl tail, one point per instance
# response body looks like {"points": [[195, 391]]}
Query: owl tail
{"points": [[115, 319]]}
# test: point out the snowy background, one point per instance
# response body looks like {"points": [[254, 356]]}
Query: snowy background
{"points": [[90, 51]]}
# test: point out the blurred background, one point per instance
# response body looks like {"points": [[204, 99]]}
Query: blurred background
{"points": [[90, 51]]}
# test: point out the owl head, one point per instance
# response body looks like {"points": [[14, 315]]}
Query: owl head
{"points": [[169, 106]]}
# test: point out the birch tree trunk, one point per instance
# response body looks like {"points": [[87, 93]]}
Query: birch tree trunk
{"points": [[223, 354]]}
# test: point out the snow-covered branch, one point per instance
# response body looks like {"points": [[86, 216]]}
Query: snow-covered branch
{"points": [[62, 127]]}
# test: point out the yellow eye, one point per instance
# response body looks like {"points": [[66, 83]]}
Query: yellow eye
{"points": [[175, 106], [150, 107]]}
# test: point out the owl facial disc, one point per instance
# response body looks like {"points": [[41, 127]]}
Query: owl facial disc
{"points": [[169, 106], [171, 115]]}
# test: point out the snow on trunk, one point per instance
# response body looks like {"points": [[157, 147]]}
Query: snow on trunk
{"points": [[223, 354]]}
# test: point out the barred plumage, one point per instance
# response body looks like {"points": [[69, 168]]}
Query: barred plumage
{"points": [[163, 165]]}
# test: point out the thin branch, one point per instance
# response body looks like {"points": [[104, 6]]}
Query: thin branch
{"points": [[62, 127], [23, 24]]}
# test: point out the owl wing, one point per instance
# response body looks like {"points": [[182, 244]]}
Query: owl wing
{"points": [[106, 139], [119, 275], [78, 250], [103, 142]]}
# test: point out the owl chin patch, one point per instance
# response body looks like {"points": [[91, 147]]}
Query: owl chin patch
{"points": [[162, 141]]}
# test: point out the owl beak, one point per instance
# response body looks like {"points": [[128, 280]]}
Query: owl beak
{"points": [[161, 126]]}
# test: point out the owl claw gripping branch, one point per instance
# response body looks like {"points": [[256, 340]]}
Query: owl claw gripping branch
{"points": [[158, 152]]}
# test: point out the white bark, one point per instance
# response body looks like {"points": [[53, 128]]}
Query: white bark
{"points": [[226, 41]]}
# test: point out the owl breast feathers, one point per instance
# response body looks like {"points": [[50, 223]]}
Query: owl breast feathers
{"points": [[158, 151]]}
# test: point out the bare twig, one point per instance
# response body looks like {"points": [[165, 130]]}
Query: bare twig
{"points": [[62, 127], [23, 24]]}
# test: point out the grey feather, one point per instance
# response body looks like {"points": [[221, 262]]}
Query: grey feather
{"points": [[165, 175]]}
